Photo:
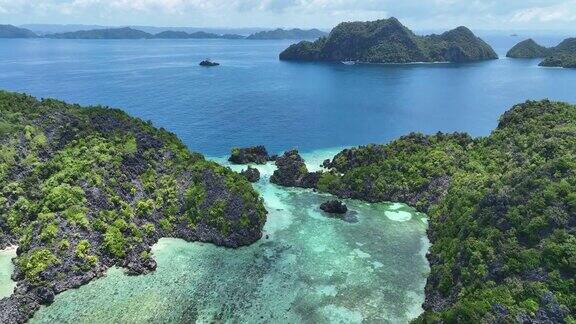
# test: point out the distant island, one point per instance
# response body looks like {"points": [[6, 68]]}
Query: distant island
{"points": [[9, 31], [195, 35], [100, 189], [562, 55], [111, 33], [295, 33], [388, 41]]}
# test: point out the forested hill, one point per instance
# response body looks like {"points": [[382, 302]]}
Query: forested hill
{"points": [[562, 55], [84, 189], [388, 41], [9, 31]]}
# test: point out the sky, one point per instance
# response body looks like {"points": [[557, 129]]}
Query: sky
{"points": [[416, 14]]}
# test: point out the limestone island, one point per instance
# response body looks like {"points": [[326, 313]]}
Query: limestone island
{"points": [[563, 55], [85, 189], [388, 41], [247, 155], [501, 211]]}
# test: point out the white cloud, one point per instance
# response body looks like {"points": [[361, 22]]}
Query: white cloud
{"points": [[563, 12], [321, 13]]}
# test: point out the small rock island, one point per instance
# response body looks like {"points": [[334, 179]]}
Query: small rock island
{"points": [[334, 207], [251, 174], [388, 41], [292, 172], [254, 154]]}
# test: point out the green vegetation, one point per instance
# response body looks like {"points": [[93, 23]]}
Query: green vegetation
{"points": [[563, 55], [502, 212], [35, 262], [565, 60], [82, 189], [528, 49], [295, 33], [388, 41]]}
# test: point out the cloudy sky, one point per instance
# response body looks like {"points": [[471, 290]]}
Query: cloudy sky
{"points": [[418, 14]]}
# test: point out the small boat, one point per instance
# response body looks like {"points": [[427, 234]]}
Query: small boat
{"points": [[208, 62], [349, 62]]}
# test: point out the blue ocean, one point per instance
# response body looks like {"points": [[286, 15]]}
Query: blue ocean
{"points": [[253, 98], [308, 268]]}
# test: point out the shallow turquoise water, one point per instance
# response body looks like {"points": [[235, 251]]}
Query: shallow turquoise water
{"points": [[310, 269], [6, 269]]}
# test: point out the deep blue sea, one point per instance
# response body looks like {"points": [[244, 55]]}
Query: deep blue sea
{"points": [[308, 268], [253, 98]]}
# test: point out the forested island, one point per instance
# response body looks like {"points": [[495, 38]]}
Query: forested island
{"points": [[388, 41], [502, 211], [562, 55], [108, 33], [9, 31], [295, 33], [194, 35], [85, 189]]}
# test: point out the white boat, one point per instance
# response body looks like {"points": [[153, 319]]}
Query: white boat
{"points": [[349, 62]]}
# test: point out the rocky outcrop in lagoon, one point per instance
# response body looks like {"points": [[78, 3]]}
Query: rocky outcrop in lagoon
{"points": [[388, 41], [247, 155], [292, 172], [85, 189], [334, 207], [251, 174]]}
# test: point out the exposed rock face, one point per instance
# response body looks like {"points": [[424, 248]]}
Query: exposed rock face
{"points": [[103, 188], [528, 49], [334, 207], [251, 174], [388, 41], [292, 172], [255, 154]]}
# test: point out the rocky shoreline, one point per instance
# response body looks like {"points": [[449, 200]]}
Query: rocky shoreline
{"points": [[104, 189], [484, 198]]}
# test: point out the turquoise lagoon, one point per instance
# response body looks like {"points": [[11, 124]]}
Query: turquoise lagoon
{"points": [[307, 268], [6, 269]]}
